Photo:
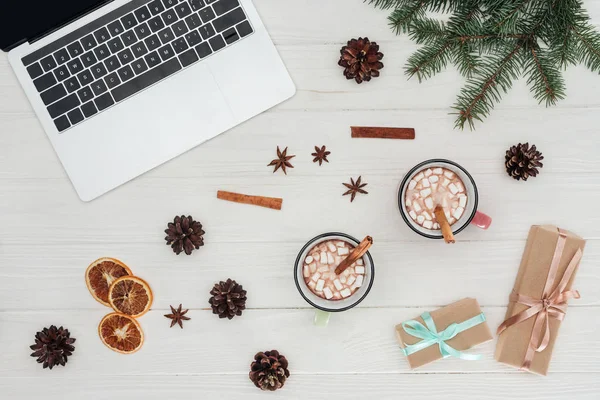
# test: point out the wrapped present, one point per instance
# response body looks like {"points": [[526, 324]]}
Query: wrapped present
{"points": [[445, 332], [538, 302]]}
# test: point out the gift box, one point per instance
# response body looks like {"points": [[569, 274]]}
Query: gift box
{"points": [[538, 302], [445, 332]]}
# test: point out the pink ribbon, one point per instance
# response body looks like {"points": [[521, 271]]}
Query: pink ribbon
{"points": [[553, 303]]}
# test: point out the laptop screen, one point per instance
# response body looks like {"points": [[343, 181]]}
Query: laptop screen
{"points": [[25, 19]]}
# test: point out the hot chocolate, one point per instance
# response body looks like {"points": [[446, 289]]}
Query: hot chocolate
{"points": [[431, 187], [319, 270]]}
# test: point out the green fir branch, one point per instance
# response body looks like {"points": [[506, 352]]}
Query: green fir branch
{"points": [[429, 60], [588, 47], [402, 18], [545, 79]]}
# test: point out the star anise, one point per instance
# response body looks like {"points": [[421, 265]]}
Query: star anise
{"points": [[282, 161], [320, 155], [177, 316], [355, 187]]}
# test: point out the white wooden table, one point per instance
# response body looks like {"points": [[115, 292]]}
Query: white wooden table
{"points": [[48, 237]]}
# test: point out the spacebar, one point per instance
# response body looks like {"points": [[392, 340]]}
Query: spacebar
{"points": [[146, 79]]}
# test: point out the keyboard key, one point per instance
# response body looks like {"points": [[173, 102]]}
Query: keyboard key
{"points": [[223, 6], [61, 56], [112, 63], [142, 14], [169, 17], [85, 94], [99, 87], [183, 9], [207, 14], [126, 56], [244, 29], [102, 35], [88, 59], [115, 45], [156, 7], [197, 4], [45, 81], [125, 73], [62, 123], [75, 116], [169, 3], [139, 49], [115, 28], [112, 80], [152, 42], [193, 38], [217, 43], [152, 59], [89, 109], [166, 35], [35, 70], [180, 45], [63, 106], [85, 78], [72, 84], [147, 79], [75, 49], [188, 58], [129, 21], [49, 63], [102, 52], [53, 94], [193, 21], [142, 31], [166, 52], [229, 20], [99, 70], [207, 31], [231, 35], [156, 24], [139, 66], [88, 42], [61, 73], [180, 28], [203, 50], [75, 66], [104, 101], [129, 38]]}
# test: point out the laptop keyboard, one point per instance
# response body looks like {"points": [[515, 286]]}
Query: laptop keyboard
{"points": [[128, 50]]}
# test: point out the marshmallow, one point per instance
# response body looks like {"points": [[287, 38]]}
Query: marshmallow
{"points": [[313, 267], [338, 284], [330, 259], [451, 220], [419, 177], [345, 293], [412, 184], [427, 192], [347, 271], [428, 224], [337, 295], [359, 281], [425, 182], [326, 275], [436, 226], [340, 244], [453, 188], [445, 202], [461, 188], [448, 215], [328, 293], [434, 179], [342, 251], [454, 205], [320, 285], [429, 203], [434, 186], [412, 214], [459, 212], [428, 172], [323, 258], [446, 182], [312, 285], [309, 259], [338, 260], [449, 174], [306, 270], [438, 171], [427, 216], [323, 268], [316, 276], [462, 200], [360, 270], [417, 207], [420, 219], [331, 246], [359, 261], [343, 278], [350, 280]]}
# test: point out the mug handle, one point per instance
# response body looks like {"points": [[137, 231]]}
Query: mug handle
{"points": [[481, 220], [322, 318]]}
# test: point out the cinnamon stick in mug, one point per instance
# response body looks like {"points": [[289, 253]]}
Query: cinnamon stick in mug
{"points": [[355, 254], [440, 216]]}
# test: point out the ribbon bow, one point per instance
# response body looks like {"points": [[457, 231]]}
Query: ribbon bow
{"points": [[431, 336], [553, 303]]}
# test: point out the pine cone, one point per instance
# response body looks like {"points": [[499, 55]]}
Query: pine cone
{"points": [[184, 234], [361, 60], [53, 346], [269, 370], [523, 161], [228, 299]]}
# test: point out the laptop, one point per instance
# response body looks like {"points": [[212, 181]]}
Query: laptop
{"points": [[123, 86]]}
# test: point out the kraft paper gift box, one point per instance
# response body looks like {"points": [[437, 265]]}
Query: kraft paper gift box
{"points": [[466, 311], [542, 288]]}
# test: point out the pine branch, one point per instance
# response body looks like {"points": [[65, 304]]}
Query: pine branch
{"points": [[465, 61], [427, 30], [401, 18], [387, 4], [546, 81], [588, 46], [428, 60]]}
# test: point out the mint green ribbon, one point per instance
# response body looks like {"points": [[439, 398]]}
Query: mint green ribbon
{"points": [[431, 336]]}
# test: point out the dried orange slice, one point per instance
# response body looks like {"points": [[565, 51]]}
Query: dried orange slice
{"points": [[130, 295], [121, 333], [101, 274]]}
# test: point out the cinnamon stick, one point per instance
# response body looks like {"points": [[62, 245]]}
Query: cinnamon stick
{"points": [[382, 133], [261, 201], [440, 216], [355, 254]]}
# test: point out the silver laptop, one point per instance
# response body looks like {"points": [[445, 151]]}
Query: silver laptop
{"points": [[123, 86]]}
